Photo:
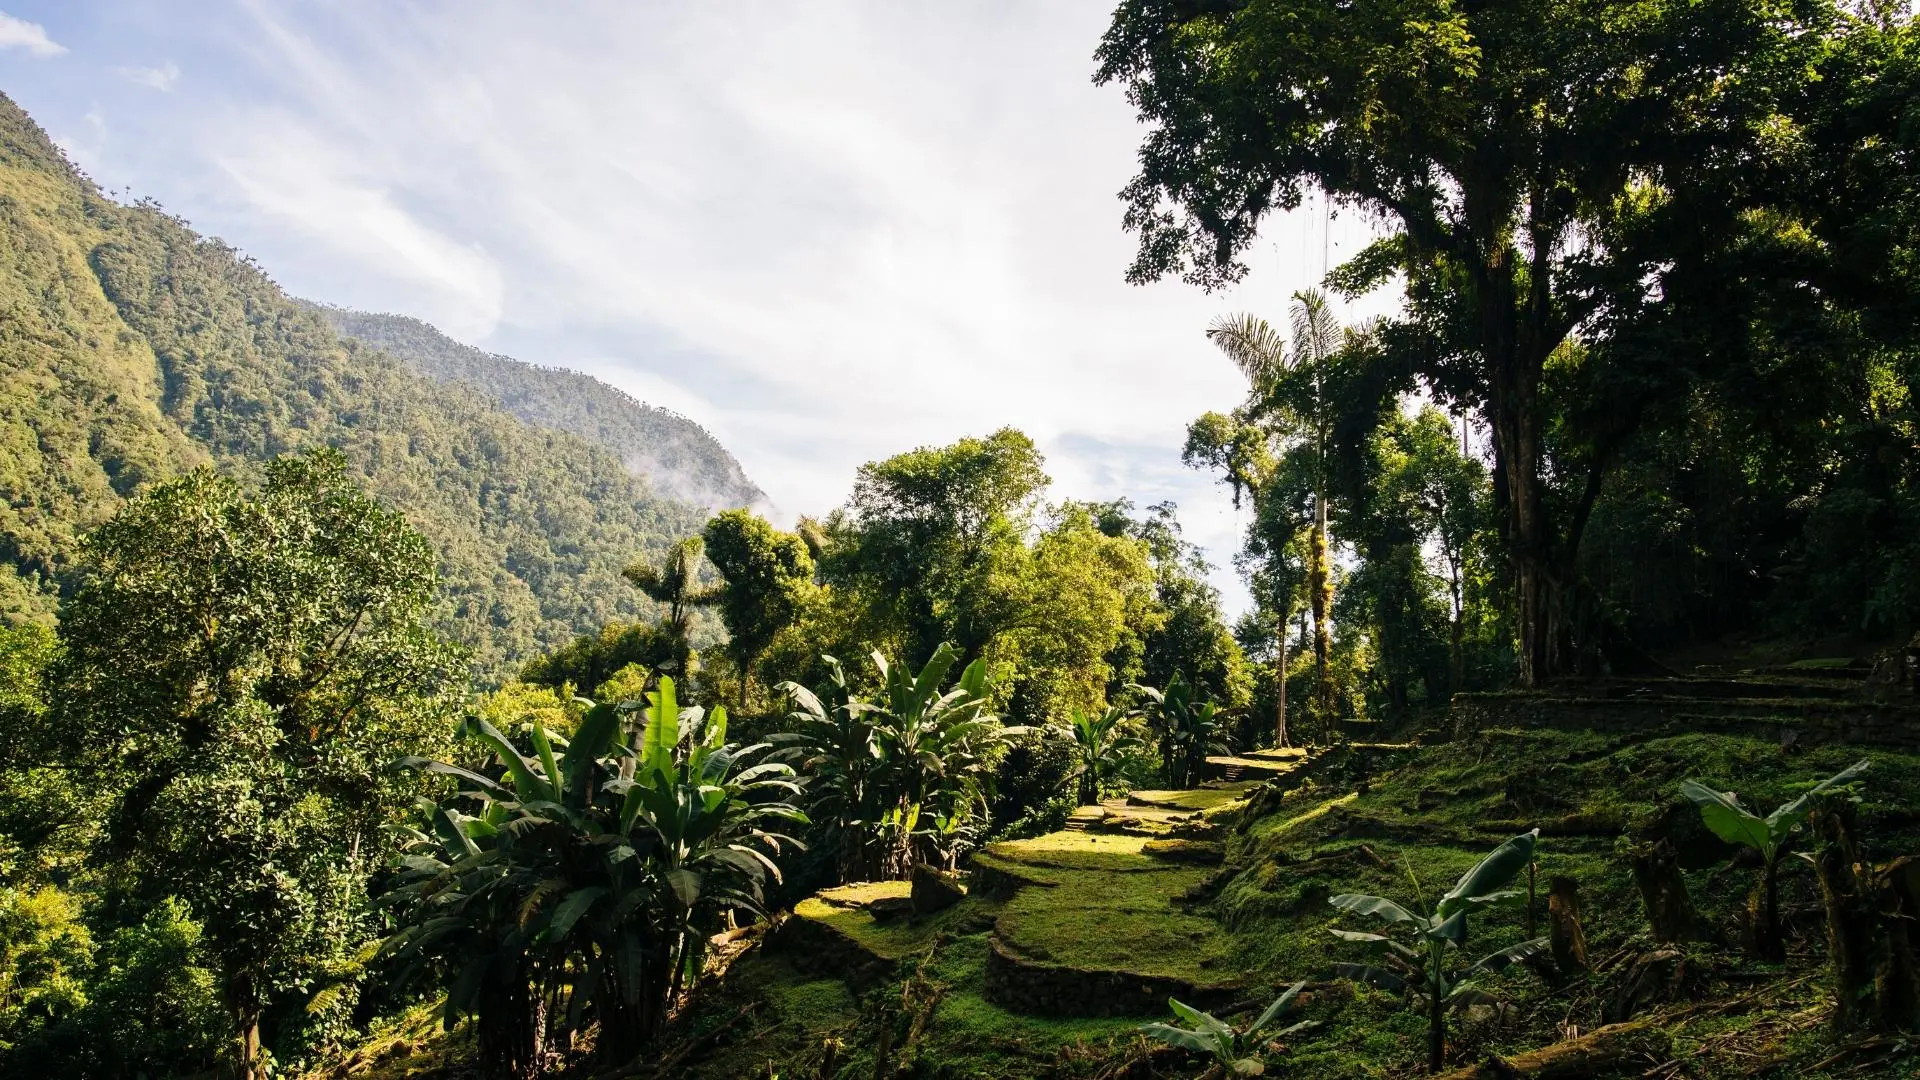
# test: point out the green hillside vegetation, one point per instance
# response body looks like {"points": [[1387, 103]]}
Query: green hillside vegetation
{"points": [[1097, 908], [679, 458], [1573, 732], [134, 349]]}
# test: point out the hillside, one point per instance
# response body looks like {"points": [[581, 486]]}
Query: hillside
{"points": [[131, 349], [1016, 981], [677, 456]]}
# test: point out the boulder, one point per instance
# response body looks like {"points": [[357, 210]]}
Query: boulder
{"points": [[935, 890], [890, 907]]}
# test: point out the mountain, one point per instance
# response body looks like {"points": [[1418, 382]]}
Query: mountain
{"points": [[679, 457], [132, 349]]}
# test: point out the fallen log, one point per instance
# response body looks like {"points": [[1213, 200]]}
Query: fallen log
{"points": [[1576, 1059]]}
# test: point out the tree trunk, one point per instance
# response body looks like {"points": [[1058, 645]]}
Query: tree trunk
{"points": [[1436, 1031], [1846, 891], [1764, 939], [1280, 715], [1568, 940], [1656, 870], [1320, 594], [1513, 369], [245, 1006], [1456, 657]]}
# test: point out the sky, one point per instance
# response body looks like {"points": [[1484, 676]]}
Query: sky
{"points": [[827, 232]]}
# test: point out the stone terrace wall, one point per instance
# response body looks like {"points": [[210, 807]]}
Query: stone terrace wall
{"points": [[1037, 988], [1893, 725]]}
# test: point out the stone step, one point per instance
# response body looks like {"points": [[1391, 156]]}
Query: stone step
{"points": [[1293, 754], [1246, 767]]}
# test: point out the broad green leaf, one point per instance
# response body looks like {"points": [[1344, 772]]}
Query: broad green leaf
{"points": [[570, 910], [662, 735], [1279, 1006], [1380, 906], [1366, 973], [1785, 819], [1452, 928], [1492, 873], [597, 731], [544, 748], [1726, 818], [526, 784], [441, 768], [685, 885], [1509, 956], [1180, 1037]]}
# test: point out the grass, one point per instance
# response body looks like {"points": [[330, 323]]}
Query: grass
{"points": [[894, 939]]}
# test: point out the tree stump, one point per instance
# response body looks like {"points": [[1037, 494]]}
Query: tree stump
{"points": [[1871, 941], [1656, 871], [1564, 934]]}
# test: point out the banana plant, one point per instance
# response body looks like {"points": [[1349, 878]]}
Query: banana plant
{"points": [[1100, 747], [1421, 967], [1727, 819], [1187, 731], [1235, 1051], [592, 875], [920, 749]]}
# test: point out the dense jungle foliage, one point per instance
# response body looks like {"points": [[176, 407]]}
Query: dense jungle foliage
{"points": [[355, 727], [135, 350], [681, 459]]}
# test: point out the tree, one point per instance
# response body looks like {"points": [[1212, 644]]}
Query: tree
{"points": [[1538, 162], [1234, 1051], [928, 537], [1291, 392], [1187, 730], [768, 574], [1074, 604], [240, 668], [675, 582]]}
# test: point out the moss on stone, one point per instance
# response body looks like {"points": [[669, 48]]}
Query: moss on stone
{"points": [[893, 939], [1206, 798]]}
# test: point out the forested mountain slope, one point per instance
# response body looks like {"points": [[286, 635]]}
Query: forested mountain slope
{"points": [[677, 456], [132, 349]]}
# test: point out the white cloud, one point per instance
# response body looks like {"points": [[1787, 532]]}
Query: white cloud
{"points": [[828, 233], [21, 34], [423, 272], [161, 78]]}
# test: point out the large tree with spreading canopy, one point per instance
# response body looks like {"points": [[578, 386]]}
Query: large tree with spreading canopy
{"points": [[1542, 170]]}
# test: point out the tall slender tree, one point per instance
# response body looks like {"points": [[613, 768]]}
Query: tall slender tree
{"points": [[1290, 394], [675, 582]]}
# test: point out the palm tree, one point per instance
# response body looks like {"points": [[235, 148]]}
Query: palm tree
{"points": [[1101, 748], [675, 582], [1289, 386], [591, 879]]}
